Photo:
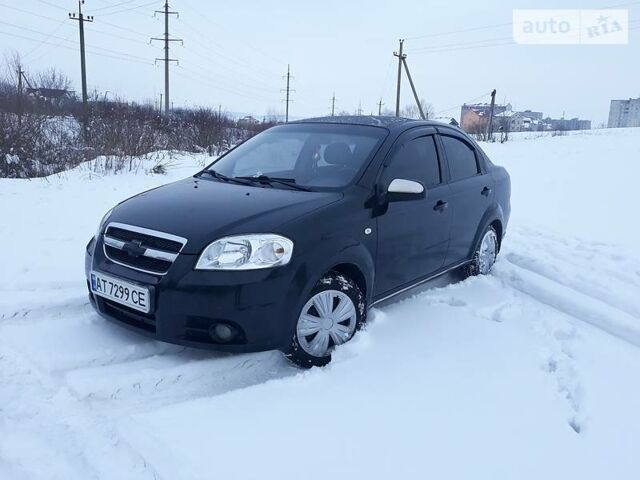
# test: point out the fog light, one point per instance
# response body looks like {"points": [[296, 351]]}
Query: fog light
{"points": [[223, 332]]}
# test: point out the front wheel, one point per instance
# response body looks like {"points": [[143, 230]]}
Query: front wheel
{"points": [[486, 253], [331, 316]]}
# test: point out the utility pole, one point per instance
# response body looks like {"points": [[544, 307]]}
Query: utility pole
{"points": [[20, 74], [166, 59], [490, 124], [402, 61], [380, 104], [83, 65], [288, 94], [333, 105], [400, 56], [360, 109], [413, 88]]}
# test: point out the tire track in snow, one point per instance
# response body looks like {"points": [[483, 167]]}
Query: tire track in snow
{"points": [[571, 302], [584, 256], [74, 306], [611, 294], [57, 340], [99, 373], [46, 427], [161, 380]]}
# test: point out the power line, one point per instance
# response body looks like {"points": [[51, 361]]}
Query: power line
{"points": [[484, 95], [227, 86], [53, 32], [500, 25], [219, 76], [95, 47], [464, 30], [102, 22], [28, 12], [24, 37], [225, 69], [52, 5], [124, 29], [236, 37], [110, 6], [52, 46], [197, 76], [209, 43], [137, 7], [444, 50], [459, 44]]}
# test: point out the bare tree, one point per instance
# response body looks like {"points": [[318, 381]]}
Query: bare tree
{"points": [[427, 108], [53, 79], [46, 138], [273, 115], [412, 111]]}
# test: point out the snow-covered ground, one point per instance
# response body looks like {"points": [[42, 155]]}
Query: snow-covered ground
{"points": [[528, 373]]}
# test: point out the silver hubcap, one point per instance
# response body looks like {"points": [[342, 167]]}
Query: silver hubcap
{"points": [[488, 251], [327, 319]]}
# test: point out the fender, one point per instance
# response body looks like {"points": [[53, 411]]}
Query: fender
{"points": [[310, 271], [494, 212]]}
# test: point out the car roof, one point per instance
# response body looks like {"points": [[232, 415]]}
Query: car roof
{"points": [[391, 123]]}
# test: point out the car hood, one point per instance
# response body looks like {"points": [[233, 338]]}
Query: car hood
{"points": [[203, 210]]}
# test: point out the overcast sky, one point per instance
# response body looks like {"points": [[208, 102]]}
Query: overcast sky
{"points": [[235, 53]]}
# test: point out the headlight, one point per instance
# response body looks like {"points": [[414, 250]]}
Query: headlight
{"points": [[246, 252], [103, 221]]}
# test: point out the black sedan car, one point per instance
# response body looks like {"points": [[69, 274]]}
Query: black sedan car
{"points": [[285, 241]]}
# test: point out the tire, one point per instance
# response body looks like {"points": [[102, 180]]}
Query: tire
{"points": [[485, 255], [319, 328]]}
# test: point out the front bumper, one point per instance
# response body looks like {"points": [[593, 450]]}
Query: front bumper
{"points": [[187, 304]]}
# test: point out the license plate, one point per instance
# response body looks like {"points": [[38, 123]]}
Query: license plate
{"points": [[120, 291]]}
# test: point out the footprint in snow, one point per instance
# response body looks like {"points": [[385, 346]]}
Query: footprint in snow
{"points": [[450, 301]]}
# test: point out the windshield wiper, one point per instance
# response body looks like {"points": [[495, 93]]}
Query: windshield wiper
{"points": [[289, 182], [224, 178]]}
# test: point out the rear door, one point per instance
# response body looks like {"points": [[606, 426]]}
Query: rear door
{"points": [[413, 235], [471, 192]]}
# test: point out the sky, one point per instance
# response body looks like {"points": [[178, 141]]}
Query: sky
{"points": [[235, 54]]}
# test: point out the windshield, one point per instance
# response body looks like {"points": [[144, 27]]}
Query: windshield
{"points": [[309, 155]]}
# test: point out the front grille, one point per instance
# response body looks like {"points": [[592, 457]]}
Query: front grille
{"points": [[142, 263], [141, 249], [145, 240]]}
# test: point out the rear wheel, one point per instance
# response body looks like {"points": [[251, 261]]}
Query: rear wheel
{"points": [[331, 316], [486, 253]]}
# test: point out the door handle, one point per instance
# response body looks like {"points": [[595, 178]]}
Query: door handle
{"points": [[485, 191], [440, 206]]}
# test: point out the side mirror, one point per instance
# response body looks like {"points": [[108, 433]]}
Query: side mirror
{"points": [[402, 190]]}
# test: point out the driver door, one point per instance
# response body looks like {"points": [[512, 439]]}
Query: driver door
{"points": [[413, 235]]}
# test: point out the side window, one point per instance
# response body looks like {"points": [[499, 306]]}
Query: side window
{"points": [[461, 157], [416, 160]]}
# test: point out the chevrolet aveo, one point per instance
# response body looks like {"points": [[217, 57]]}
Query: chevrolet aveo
{"points": [[285, 241]]}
